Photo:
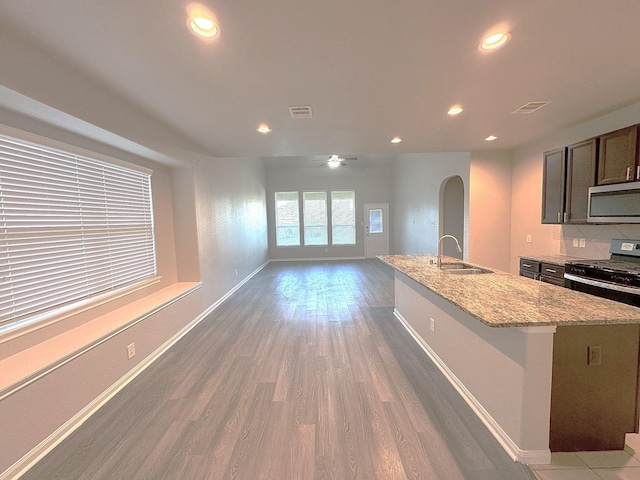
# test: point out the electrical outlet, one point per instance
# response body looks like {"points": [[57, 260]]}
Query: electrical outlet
{"points": [[131, 350], [583, 243], [594, 355], [575, 242], [528, 238], [432, 324]]}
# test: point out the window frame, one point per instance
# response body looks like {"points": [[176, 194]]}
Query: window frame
{"points": [[296, 226], [97, 295], [334, 226], [323, 227]]}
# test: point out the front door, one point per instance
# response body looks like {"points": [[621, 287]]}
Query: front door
{"points": [[376, 229]]}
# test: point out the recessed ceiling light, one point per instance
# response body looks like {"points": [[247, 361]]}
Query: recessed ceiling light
{"points": [[455, 110], [491, 138], [334, 161], [201, 22], [396, 140], [495, 40], [263, 128]]}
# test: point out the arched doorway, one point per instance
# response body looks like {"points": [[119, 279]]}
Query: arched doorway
{"points": [[452, 215]]}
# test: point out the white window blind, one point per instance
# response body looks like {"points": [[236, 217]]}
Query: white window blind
{"points": [[287, 219], [343, 218], [71, 228], [315, 218]]}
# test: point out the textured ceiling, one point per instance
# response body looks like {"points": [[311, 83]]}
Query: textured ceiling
{"points": [[370, 70]]}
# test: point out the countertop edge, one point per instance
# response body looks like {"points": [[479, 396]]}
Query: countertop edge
{"points": [[420, 263]]}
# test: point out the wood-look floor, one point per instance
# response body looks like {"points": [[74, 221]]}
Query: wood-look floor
{"points": [[304, 373]]}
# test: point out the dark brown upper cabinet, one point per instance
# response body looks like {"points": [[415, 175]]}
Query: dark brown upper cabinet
{"points": [[567, 175], [581, 174], [618, 156], [553, 185]]}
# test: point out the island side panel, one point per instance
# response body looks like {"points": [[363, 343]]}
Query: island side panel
{"points": [[594, 400], [506, 371]]}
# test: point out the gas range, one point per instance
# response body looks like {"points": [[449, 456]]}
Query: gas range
{"points": [[616, 278]]}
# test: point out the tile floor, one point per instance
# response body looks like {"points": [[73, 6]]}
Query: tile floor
{"points": [[617, 465]]}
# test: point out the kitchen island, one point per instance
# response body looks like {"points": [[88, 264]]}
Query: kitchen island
{"points": [[545, 368]]}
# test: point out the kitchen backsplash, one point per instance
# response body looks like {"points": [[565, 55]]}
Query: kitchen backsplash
{"points": [[597, 238]]}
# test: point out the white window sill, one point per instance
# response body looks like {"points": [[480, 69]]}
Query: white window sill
{"points": [[26, 366]]}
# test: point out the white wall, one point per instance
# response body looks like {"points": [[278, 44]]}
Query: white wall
{"points": [[370, 183], [232, 223], [210, 220], [503, 374], [224, 243], [417, 181], [526, 204]]}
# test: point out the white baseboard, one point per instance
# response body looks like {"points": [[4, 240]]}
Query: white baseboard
{"points": [[315, 259], [512, 449], [43, 448]]}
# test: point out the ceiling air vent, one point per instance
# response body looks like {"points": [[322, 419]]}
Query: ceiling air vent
{"points": [[530, 107], [300, 111]]}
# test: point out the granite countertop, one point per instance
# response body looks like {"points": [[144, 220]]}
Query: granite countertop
{"points": [[500, 299]]}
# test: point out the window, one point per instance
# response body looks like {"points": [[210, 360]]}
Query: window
{"points": [[343, 218], [375, 221], [71, 228], [315, 218], [287, 219]]}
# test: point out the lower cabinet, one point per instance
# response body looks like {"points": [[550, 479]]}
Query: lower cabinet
{"points": [[543, 271], [552, 273], [594, 393], [529, 268]]}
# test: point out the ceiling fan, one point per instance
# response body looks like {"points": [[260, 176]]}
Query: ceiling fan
{"points": [[336, 161]]}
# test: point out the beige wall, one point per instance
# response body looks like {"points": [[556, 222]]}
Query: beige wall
{"points": [[527, 197], [417, 195], [490, 209]]}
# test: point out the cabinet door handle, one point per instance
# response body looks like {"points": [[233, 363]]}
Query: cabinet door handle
{"points": [[559, 217], [566, 217], [638, 172], [526, 265], [628, 173], [548, 270]]}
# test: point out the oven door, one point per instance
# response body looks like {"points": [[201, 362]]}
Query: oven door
{"points": [[612, 291]]}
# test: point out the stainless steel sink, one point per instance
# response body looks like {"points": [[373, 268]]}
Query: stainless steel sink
{"points": [[463, 269]]}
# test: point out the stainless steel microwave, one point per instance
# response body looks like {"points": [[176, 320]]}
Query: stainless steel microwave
{"points": [[619, 203]]}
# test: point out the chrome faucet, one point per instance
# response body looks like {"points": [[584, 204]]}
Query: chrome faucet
{"points": [[439, 261]]}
